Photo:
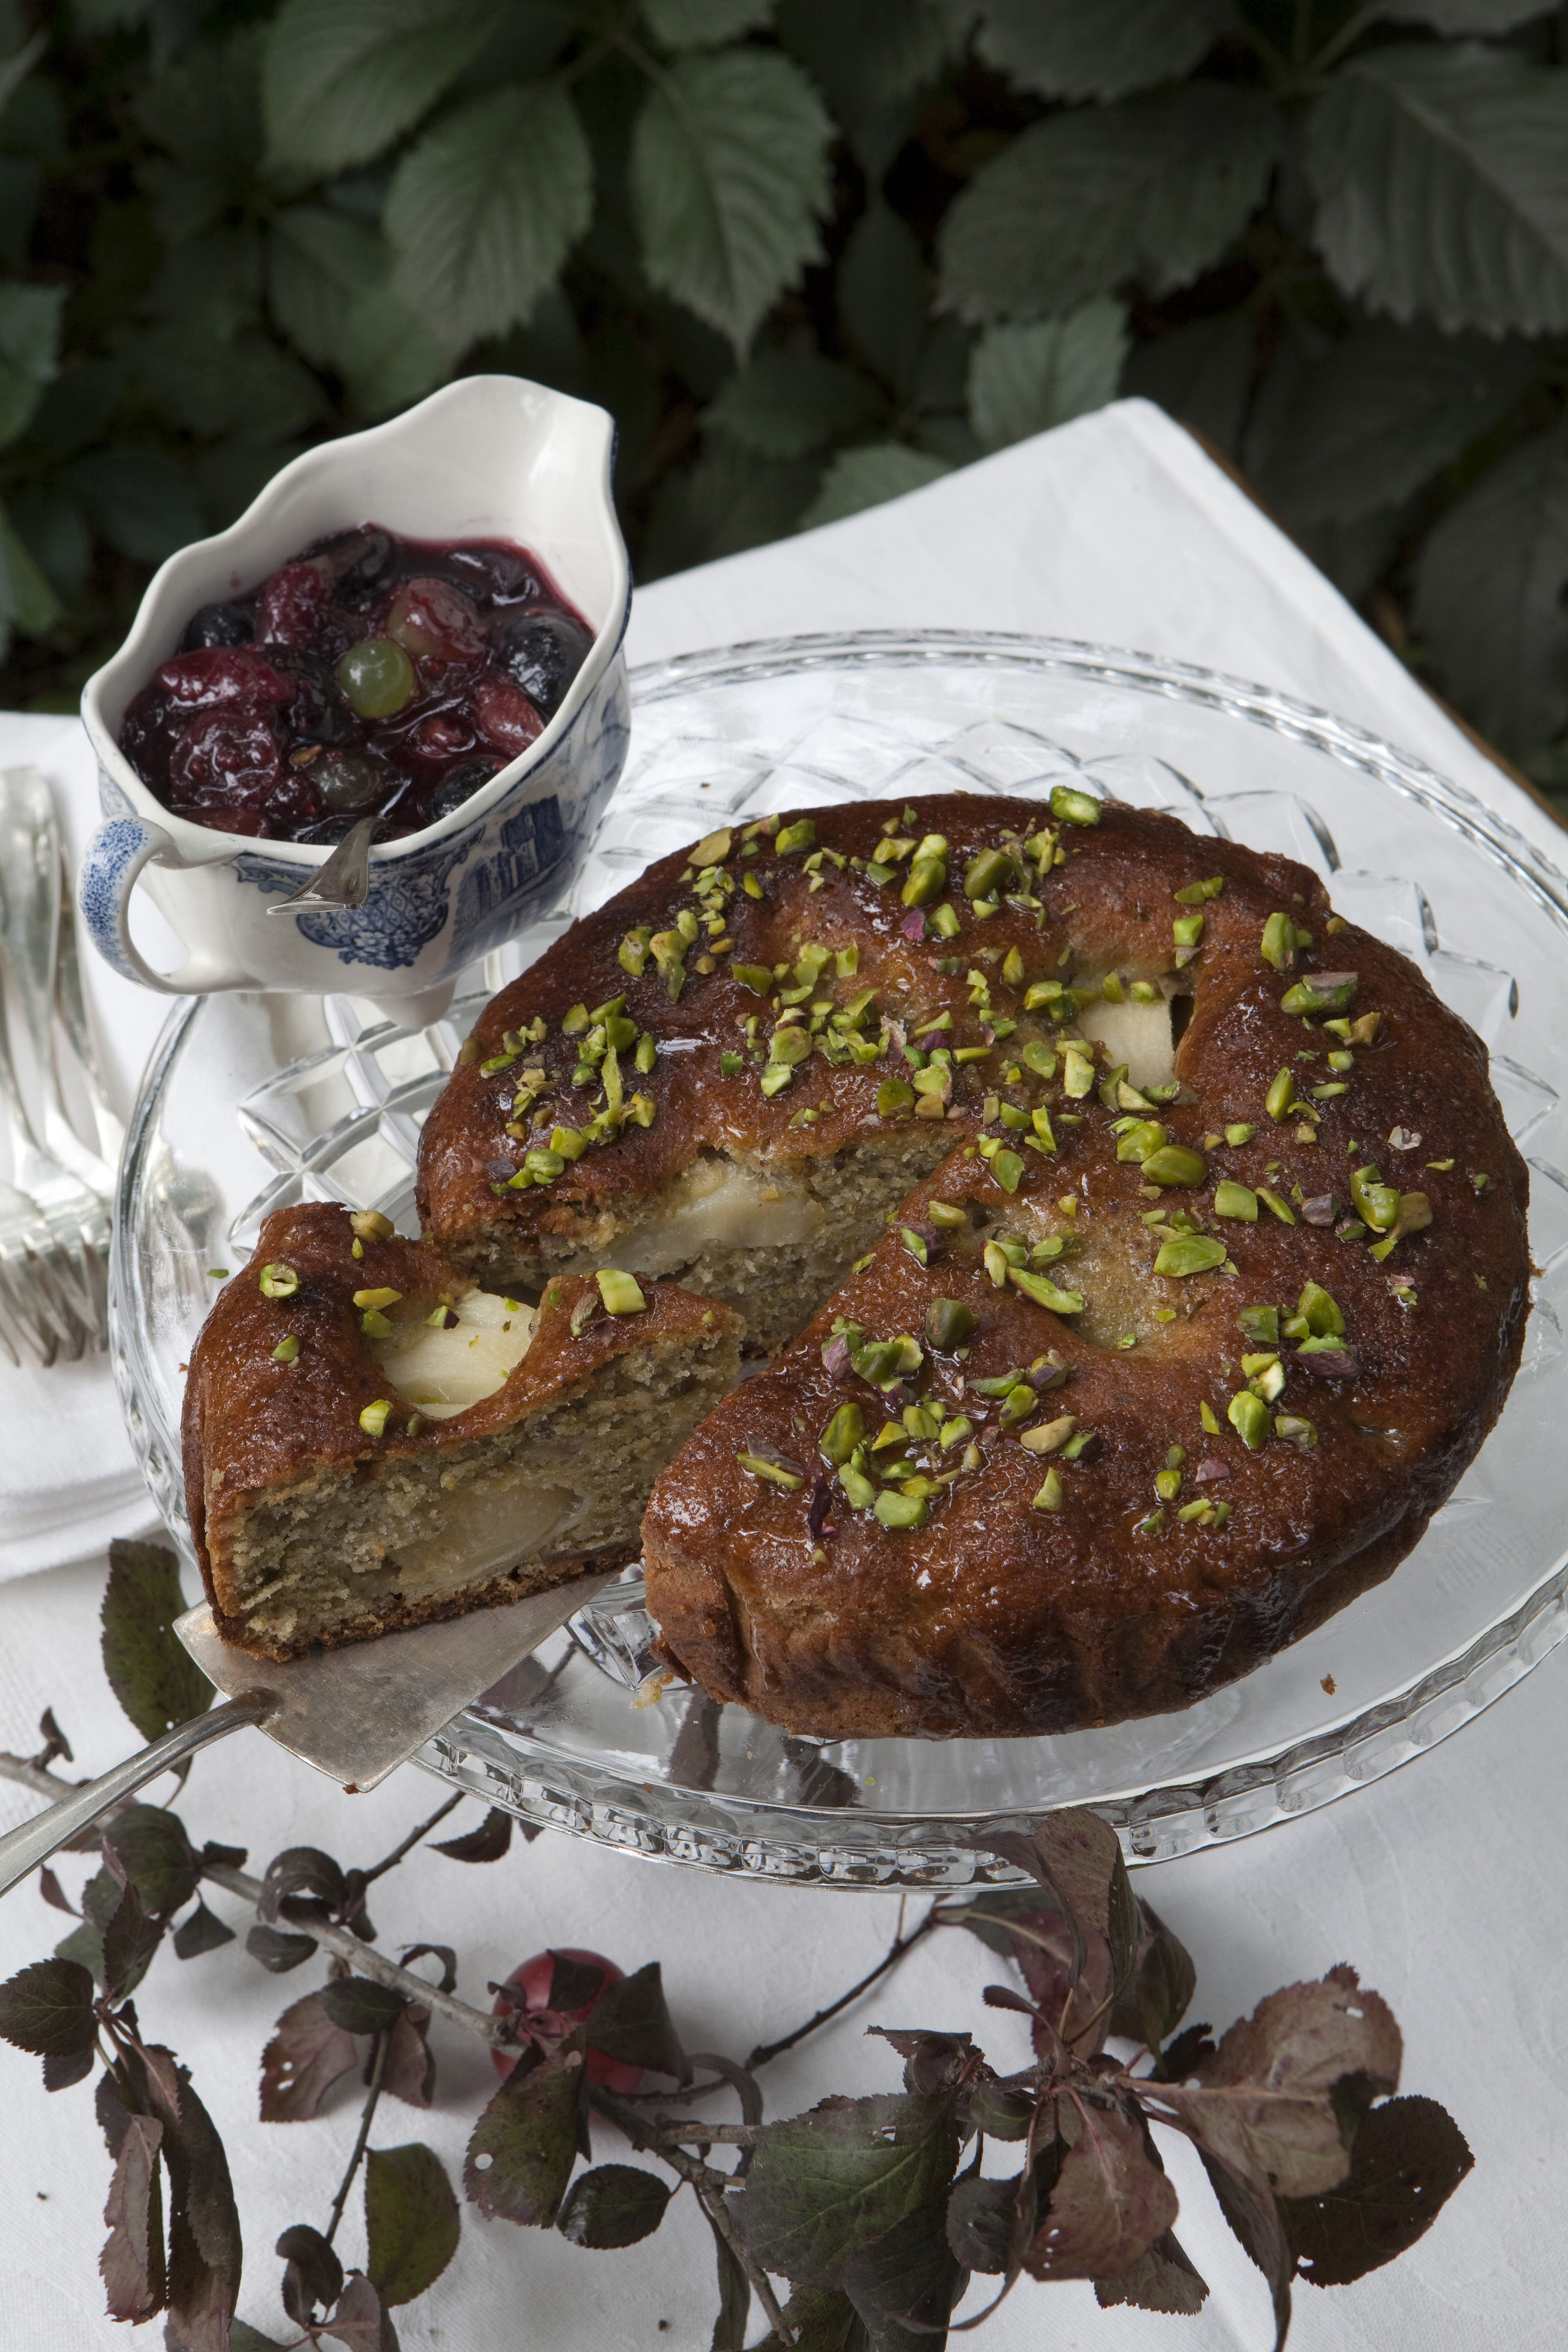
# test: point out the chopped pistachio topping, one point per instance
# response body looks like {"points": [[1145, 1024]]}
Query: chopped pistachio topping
{"points": [[1278, 944], [1048, 1437], [1174, 1164], [277, 1281], [801, 835], [1208, 1418], [1168, 1484], [1231, 1200], [1281, 1095], [1248, 1416], [1184, 1253], [1187, 930], [619, 1292], [945, 1214], [1281, 1208], [1045, 1292], [1296, 1430], [1239, 1133], [1197, 892], [902, 1510], [843, 1432], [372, 1417], [858, 1490], [985, 875], [714, 847], [370, 1225], [1007, 1169], [1322, 1311], [1376, 1203], [1049, 1497], [950, 1324], [894, 1095], [1325, 991], [375, 1325], [378, 1297], [775, 1472], [286, 1351], [1070, 806]]}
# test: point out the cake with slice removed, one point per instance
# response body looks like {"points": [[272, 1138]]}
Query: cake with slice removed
{"points": [[371, 1441]]}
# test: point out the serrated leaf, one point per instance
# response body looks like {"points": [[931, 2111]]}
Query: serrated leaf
{"points": [[204, 108], [204, 1931], [314, 2277], [1024, 380], [1199, 374], [1086, 1951], [362, 2320], [307, 2054], [881, 289], [1503, 655], [359, 2005], [1253, 2217], [631, 2022], [1442, 182], [411, 2218], [1159, 1986], [1263, 2103], [820, 2321], [26, 600], [155, 1679], [318, 263], [905, 2283], [1163, 2279], [48, 2008], [1099, 49], [867, 55], [132, 2263], [149, 1847], [1154, 190], [869, 476], [979, 2222], [703, 23], [30, 352], [279, 1952], [145, 505], [84, 1944], [129, 1940], [614, 2205], [1386, 409], [785, 406], [521, 2150], [408, 2072], [343, 78], [485, 208], [204, 2251], [1110, 2202], [1408, 2157], [824, 2184], [729, 177], [303, 1876], [486, 1844]]}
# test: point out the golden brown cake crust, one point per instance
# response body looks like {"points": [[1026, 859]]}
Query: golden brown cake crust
{"points": [[999, 1617], [253, 1424]]}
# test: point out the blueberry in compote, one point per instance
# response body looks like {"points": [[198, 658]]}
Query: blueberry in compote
{"points": [[542, 653], [369, 675], [218, 625]]}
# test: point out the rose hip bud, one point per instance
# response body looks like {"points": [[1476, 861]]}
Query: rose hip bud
{"points": [[432, 619], [231, 676], [505, 717], [292, 607], [536, 1979]]}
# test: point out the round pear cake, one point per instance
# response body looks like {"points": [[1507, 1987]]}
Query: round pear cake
{"points": [[1130, 1251]]}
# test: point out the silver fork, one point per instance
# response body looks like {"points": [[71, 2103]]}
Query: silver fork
{"points": [[70, 1183]]}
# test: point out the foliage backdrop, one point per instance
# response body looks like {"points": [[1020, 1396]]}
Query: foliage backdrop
{"points": [[811, 253]]}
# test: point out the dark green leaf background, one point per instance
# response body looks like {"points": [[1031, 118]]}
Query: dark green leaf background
{"points": [[813, 254]]}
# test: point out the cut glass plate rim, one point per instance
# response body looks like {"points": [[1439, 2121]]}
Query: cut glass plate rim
{"points": [[609, 1800]]}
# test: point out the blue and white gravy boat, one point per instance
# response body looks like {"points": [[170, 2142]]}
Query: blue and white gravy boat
{"points": [[490, 457]]}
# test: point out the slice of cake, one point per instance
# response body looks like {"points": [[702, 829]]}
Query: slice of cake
{"points": [[371, 1440]]}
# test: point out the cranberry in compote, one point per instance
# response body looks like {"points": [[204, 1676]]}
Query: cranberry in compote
{"points": [[370, 676]]}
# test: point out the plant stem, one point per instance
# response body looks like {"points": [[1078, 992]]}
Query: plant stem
{"points": [[709, 2186], [378, 2068], [413, 1837], [889, 1959]]}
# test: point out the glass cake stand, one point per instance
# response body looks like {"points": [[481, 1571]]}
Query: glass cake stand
{"points": [[254, 1102]]}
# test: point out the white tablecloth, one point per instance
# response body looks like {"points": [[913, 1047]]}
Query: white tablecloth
{"points": [[1444, 1885]]}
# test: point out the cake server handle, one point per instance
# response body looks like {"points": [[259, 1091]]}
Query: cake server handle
{"points": [[21, 1849]]}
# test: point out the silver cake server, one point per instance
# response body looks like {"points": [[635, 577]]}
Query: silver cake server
{"points": [[355, 1713]]}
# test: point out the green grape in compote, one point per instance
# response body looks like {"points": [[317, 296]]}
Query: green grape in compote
{"points": [[376, 677]]}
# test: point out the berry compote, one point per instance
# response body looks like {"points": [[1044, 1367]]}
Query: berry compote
{"points": [[371, 675]]}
